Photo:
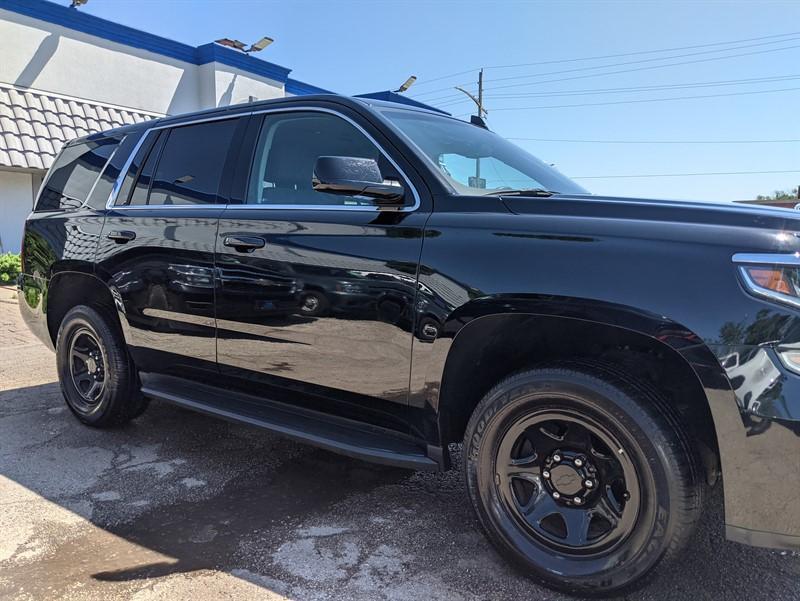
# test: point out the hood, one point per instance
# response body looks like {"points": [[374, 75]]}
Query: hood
{"points": [[651, 209]]}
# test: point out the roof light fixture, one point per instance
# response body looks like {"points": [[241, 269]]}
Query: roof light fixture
{"points": [[239, 45], [260, 45], [407, 84]]}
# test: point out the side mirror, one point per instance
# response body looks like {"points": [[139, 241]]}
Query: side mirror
{"points": [[353, 176]]}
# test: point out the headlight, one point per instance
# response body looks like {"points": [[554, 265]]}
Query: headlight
{"points": [[773, 277], [790, 357]]}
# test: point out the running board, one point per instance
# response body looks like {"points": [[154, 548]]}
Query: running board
{"points": [[343, 436]]}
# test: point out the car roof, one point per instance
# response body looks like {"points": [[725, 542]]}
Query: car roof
{"points": [[246, 107]]}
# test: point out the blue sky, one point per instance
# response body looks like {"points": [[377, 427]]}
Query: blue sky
{"points": [[362, 46]]}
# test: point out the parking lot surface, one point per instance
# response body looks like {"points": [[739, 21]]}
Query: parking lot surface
{"points": [[181, 506]]}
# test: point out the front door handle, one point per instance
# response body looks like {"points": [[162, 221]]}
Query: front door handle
{"points": [[245, 244], [121, 236]]}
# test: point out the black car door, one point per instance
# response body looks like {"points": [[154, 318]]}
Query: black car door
{"points": [[316, 291], [156, 251]]}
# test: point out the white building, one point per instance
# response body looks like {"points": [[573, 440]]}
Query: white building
{"points": [[65, 73]]}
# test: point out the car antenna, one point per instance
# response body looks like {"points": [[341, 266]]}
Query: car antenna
{"points": [[475, 120]]}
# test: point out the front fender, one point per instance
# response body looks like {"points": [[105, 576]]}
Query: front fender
{"points": [[755, 449], [429, 361]]}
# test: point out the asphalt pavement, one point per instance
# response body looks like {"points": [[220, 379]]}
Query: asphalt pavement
{"points": [[178, 505]]}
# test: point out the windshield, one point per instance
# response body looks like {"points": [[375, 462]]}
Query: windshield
{"points": [[476, 161]]}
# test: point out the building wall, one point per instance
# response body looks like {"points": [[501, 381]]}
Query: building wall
{"points": [[52, 49], [52, 58], [16, 201], [230, 85], [46, 56]]}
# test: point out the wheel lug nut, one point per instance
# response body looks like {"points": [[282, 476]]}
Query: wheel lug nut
{"points": [[556, 457], [578, 462], [577, 500], [556, 494], [588, 484], [545, 474]]}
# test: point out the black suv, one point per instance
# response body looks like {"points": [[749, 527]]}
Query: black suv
{"points": [[384, 282]]}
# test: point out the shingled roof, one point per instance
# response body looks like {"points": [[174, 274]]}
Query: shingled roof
{"points": [[34, 125]]}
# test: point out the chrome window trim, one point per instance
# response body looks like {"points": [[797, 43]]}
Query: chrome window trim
{"points": [[99, 175], [167, 207], [112, 197], [744, 259]]}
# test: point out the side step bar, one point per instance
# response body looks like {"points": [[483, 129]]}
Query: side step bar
{"points": [[332, 433]]}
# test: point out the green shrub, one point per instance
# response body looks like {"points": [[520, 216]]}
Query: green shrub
{"points": [[32, 296], [10, 267]]}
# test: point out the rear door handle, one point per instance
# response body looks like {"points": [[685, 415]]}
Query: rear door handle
{"points": [[245, 244], [121, 236]]}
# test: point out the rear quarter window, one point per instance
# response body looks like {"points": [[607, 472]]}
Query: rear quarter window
{"points": [[74, 173]]}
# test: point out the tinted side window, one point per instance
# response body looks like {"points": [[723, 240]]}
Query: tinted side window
{"points": [[289, 145], [141, 191], [144, 146], [191, 164], [74, 173]]}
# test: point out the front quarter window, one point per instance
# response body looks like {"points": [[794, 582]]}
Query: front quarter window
{"points": [[475, 161]]}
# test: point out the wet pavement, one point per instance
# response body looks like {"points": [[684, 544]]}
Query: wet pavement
{"points": [[182, 506]]}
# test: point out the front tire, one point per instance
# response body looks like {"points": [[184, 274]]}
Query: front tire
{"points": [[97, 377], [314, 304], [582, 477]]}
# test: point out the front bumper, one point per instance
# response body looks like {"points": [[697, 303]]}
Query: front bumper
{"points": [[758, 432]]}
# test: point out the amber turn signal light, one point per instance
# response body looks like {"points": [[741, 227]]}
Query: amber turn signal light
{"points": [[771, 278]]}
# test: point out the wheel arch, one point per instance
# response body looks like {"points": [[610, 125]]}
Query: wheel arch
{"points": [[68, 288], [492, 340]]}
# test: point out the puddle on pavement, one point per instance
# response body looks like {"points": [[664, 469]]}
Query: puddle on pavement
{"points": [[203, 534]]}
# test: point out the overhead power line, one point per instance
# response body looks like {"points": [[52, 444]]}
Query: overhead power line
{"points": [[685, 174], [635, 69], [643, 100], [600, 57], [603, 91], [645, 60], [640, 52], [448, 76], [574, 141], [673, 86]]}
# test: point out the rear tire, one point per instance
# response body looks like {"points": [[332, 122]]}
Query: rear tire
{"points": [[98, 379], [582, 477]]}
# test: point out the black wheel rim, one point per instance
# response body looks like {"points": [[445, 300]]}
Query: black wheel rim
{"points": [[568, 481], [87, 366], [310, 303]]}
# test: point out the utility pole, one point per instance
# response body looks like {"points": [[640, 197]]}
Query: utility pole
{"points": [[479, 100], [480, 94], [477, 182]]}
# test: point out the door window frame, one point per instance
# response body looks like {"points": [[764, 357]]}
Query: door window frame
{"points": [[405, 208]]}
